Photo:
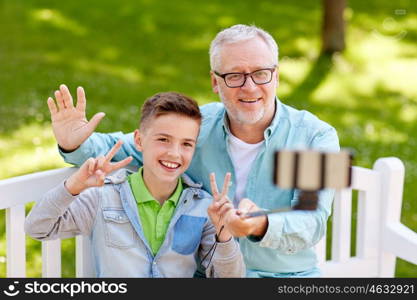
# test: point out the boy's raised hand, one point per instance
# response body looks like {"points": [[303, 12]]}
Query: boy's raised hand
{"points": [[220, 207], [94, 170], [70, 125]]}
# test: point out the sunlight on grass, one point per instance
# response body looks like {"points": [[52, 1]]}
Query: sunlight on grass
{"points": [[409, 113], [58, 20], [292, 72], [226, 21], [201, 42], [380, 132], [31, 148], [109, 53], [377, 62], [129, 74], [381, 59]]}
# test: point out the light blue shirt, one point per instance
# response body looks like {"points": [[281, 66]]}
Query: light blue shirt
{"points": [[286, 248]]}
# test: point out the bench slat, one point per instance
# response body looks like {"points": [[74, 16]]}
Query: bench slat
{"points": [[341, 225], [31, 187], [16, 243], [83, 259], [367, 234], [51, 258]]}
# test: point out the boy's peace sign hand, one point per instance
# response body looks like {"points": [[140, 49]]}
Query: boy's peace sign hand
{"points": [[69, 123], [94, 170], [220, 206]]}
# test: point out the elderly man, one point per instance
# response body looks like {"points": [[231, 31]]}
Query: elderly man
{"points": [[238, 135]]}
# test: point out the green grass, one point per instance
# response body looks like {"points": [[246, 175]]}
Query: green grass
{"points": [[122, 52]]}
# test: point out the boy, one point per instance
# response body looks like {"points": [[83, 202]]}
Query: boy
{"points": [[152, 223]]}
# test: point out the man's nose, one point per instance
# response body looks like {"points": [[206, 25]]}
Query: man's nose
{"points": [[249, 84]]}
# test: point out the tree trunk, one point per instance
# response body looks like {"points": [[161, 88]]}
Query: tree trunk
{"points": [[333, 34]]}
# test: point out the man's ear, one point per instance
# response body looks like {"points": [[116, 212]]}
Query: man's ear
{"points": [[214, 82], [138, 140], [277, 74]]}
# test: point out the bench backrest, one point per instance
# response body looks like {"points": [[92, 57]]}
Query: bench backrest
{"points": [[378, 215]]}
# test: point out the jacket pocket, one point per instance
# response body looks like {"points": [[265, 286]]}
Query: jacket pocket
{"points": [[187, 234], [119, 232]]}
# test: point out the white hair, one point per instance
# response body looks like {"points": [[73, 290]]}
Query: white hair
{"points": [[238, 33]]}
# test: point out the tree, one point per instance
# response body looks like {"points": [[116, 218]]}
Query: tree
{"points": [[333, 30]]}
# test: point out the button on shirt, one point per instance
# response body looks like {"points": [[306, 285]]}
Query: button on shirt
{"points": [[153, 217]]}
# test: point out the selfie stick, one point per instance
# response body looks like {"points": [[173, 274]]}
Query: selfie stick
{"points": [[309, 171]]}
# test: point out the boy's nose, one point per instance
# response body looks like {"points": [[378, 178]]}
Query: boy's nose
{"points": [[174, 151]]}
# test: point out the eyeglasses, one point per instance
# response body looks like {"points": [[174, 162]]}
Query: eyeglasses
{"points": [[235, 80]]}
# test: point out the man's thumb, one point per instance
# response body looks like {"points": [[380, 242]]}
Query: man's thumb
{"points": [[93, 123]]}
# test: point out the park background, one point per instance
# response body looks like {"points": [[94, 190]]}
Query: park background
{"points": [[122, 52]]}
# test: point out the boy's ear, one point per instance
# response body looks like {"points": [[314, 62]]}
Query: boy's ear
{"points": [[138, 140], [214, 82]]}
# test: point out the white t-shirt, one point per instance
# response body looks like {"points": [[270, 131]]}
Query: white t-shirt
{"points": [[242, 155]]}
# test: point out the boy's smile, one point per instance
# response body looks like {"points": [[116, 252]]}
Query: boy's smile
{"points": [[167, 143]]}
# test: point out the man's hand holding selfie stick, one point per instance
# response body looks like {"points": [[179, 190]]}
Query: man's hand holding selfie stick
{"points": [[309, 171]]}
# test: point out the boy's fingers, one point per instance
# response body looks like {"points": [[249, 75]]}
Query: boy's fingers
{"points": [[66, 96], [52, 106], [91, 166], [226, 184], [221, 203], [213, 185], [100, 177], [59, 100], [121, 163], [100, 163], [113, 150], [81, 101]]}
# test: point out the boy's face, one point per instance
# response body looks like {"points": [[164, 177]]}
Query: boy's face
{"points": [[167, 143]]}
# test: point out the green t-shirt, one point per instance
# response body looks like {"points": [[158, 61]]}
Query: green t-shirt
{"points": [[154, 217]]}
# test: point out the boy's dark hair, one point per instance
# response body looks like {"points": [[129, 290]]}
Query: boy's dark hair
{"points": [[169, 102]]}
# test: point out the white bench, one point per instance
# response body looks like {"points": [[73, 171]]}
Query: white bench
{"points": [[380, 236]]}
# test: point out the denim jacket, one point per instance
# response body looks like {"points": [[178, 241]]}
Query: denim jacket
{"points": [[287, 246], [109, 216]]}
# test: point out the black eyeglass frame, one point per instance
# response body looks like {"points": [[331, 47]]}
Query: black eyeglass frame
{"points": [[246, 76]]}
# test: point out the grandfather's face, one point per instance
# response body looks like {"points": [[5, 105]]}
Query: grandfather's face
{"points": [[250, 103]]}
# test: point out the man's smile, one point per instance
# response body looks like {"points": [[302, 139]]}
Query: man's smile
{"points": [[252, 100]]}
